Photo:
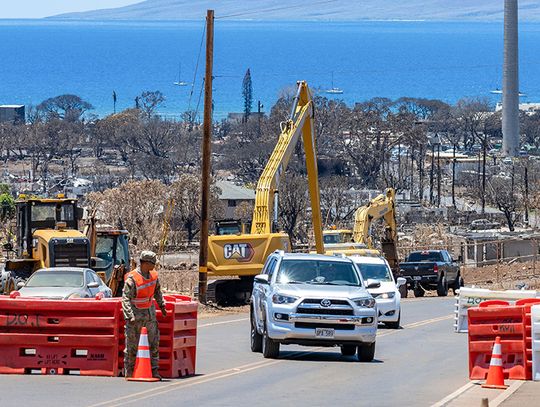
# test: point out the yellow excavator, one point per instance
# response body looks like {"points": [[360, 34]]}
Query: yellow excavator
{"points": [[359, 240], [243, 255]]}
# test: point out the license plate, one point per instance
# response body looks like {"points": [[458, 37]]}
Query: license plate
{"points": [[324, 332], [417, 277]]}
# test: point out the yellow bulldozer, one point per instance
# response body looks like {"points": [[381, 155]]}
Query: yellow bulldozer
{"points": [[47, 235], [239, 257]]}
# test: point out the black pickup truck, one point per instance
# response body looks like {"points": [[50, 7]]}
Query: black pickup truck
{"points": [[431, 270]]}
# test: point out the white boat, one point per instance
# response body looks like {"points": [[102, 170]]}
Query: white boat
{"points": [[333, 90], [499, 92], [180, 82]]}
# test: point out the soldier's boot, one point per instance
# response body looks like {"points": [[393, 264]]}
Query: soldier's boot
{"points": [[155, 374]]}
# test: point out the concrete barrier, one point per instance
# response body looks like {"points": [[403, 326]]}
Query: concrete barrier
{"points": [[470, 297]]}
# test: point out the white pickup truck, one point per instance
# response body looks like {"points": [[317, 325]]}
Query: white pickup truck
{"points": [[312, 300]]}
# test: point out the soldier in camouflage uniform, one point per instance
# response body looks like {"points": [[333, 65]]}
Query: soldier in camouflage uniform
{"points": [[140, 287]]}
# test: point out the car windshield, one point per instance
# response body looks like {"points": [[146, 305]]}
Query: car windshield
{"points": [[317, 272], [56, 279], [425, 256], [375, 271]]}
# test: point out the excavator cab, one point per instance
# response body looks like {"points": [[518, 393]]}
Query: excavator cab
{"points": [[229, 227], [112, 249]]}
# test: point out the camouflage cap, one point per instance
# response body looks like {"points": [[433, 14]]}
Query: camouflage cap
{"points": [[149, 256]]}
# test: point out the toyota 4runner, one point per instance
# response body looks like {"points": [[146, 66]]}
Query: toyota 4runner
{"points": [[312, 300]]}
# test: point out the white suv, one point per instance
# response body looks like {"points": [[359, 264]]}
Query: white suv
{"points": [[377, 269], [312, 300]]}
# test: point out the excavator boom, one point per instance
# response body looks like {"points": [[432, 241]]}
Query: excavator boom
{"points": [[382, 206], [245, 254]]}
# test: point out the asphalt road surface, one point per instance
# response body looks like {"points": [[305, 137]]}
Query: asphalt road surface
{"points": [[414, 366]]}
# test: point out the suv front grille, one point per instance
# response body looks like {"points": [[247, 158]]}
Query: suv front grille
{"points": [[324, 311], [318, 301], [314, 307], [313, 325]]}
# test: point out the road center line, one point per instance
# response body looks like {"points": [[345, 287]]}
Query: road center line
{"points": [[230, 321], [222, 374]]}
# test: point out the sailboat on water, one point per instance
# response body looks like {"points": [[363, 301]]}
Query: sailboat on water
{"points": [[334, 90], [180, 82]]}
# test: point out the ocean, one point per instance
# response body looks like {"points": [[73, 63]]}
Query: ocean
{"points": [[440, 60]]}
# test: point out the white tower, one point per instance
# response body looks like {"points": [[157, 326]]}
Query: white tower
{"points": [[510, 110]]}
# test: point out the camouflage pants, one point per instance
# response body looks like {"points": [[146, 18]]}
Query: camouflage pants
{"points": [[133, 331]]}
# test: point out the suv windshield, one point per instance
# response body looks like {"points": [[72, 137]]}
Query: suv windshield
{"points": [[375, 271], [425, 256], [317, 272], [56, 279]]}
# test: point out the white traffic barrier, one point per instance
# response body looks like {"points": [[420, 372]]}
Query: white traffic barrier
{"points": [[535, 328], [470, 297]]}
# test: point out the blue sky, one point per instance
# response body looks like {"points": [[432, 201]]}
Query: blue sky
{"points": [[44, 8]]}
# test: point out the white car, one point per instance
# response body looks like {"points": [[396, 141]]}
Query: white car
{"points": [[312, 300], [387, 294]]}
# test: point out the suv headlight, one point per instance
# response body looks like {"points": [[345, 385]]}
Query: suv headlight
{"points": [[283, 299], [386, 296], [365, 302]]}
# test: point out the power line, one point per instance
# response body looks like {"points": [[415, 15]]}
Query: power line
{"points": [[196, 67], [256, 11]]}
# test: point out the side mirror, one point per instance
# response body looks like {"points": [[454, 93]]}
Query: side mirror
{"points": [[262, 279], [460, 259], [400, 282], [20, 285], [372, 283], [93, 285]]}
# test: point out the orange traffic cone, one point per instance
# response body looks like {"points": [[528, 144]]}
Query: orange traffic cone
{"points": [[495, 377], [143, 366]]}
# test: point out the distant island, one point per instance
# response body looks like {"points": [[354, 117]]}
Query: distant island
{"points": [[339, 10]]}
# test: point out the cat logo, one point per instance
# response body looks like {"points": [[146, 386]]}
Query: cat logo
{"points": [[242, 252]]}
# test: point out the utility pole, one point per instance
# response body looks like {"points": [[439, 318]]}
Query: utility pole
{"points": [[206, 156], [526, 182]]}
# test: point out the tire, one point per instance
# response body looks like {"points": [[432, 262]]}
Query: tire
{"points": [[403, 290], [418, 291], [366, 352], [348, 350], [270, 348], [394, 325], [442, 287], [256, 337], [458, 284]]}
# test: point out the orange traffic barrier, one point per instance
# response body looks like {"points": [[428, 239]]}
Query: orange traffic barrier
{"points": [[178, 337], [495, 377], [493, 303], [59, 337], [507, 323], [143, 366]]}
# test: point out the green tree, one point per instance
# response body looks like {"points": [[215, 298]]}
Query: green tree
{"points": [[247, 93], [7, 203]]}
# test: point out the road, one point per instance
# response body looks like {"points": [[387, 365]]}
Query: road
{"points": [[414, 366]]}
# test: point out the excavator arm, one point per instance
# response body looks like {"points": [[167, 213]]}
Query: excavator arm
{"points": [[244, 255], [299, 123], [382, 206]]}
